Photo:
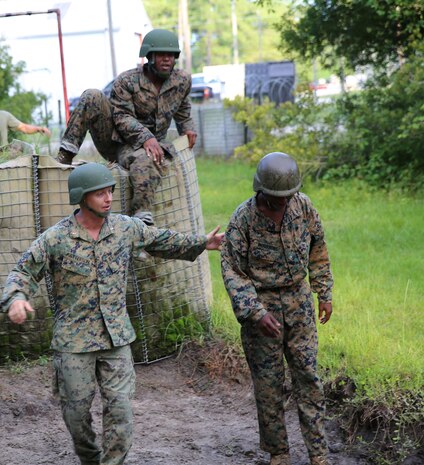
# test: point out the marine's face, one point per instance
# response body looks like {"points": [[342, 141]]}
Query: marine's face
{"points": [[100, 201], [164, 62], [276, 203]]}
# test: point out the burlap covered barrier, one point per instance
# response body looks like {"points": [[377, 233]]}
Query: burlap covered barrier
{"points": [[168, 300], [174, 295], [17, 231]]}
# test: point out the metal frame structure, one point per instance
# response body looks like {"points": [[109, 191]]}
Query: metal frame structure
{"points": [[59, 33]]}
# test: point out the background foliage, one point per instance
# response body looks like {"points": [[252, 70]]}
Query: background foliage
{"points": [[376, 134], [211, 27], [13, 98], [371, 32]]}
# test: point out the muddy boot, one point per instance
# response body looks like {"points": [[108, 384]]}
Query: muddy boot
{"points": [[65, 157], [146, 217], [319, 461], [280, 459]]}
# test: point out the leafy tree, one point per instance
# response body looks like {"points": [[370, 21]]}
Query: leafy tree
{"points": [[261, 122], [376, 135], [13, 98], [383, 131], [9, 73], [211, 27], [364, 32]]}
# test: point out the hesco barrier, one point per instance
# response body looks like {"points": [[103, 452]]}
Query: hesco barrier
{"points": [[168, 300]]}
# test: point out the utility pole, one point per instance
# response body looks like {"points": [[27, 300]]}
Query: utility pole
{"points": [[184, 34], [259, 36], [235, 33], [111, 42], [181, 36]]}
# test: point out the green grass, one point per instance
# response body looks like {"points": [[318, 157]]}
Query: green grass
{"points": [[223, 185], [376, 246]]}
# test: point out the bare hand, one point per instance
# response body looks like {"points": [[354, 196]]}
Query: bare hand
{"points": [[18, 311], [269, 326], [44, 130], [154, 150], [325, 309], [192, 136], [214, 240]]}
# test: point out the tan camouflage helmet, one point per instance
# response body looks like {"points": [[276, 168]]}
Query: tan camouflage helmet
{"points": [[277, 174]]}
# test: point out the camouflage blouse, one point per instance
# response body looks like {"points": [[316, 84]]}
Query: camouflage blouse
{"points": [[89, 277], [140, 112], [258, 256]]}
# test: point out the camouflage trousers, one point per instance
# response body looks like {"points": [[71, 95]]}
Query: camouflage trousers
{"points": [[298, 343], [94, 114], [145, 176], [75, 380]]}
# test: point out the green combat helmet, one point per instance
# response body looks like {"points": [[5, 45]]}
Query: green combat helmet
{"points": [[277, 174], [160, 40], [88, 178]]}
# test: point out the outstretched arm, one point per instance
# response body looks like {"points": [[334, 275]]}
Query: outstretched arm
{"points": [[31, 129]]}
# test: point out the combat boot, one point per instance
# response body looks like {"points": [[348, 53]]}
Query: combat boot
{"points": [[280, 459], [65, 157], [319, 461], [146, 217]]}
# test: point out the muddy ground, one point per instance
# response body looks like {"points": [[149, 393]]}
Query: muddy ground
{"points": [[181, 416]]}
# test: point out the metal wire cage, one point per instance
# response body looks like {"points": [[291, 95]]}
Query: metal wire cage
{"points": [[168, 300]]}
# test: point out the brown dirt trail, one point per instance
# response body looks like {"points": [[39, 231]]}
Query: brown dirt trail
{"points": [[180, 417]]}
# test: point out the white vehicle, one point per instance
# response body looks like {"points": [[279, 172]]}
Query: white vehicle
{"points": [[203, 89]]}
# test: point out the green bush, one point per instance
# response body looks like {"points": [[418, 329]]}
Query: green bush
{"points": [[293, 128], [261, 121], [383, 131], [376, 134]]}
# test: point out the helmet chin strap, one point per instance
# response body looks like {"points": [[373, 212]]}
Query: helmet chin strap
{"points": [[272, 205], [151, 64], [98, 214]]}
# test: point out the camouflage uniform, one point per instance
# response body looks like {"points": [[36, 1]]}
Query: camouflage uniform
{"points": [[92, 329], [135, 113], [264, 270]]}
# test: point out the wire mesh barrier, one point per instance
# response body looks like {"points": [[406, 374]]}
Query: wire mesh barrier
{"points": [[168, 300]]}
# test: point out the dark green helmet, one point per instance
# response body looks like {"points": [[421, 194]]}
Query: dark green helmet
{"points": [[160, 40], [88, 178], [277, 174]]}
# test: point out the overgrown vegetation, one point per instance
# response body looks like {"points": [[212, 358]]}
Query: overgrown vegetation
{"points": [[371, 352], [212, 33], [376, 134], [358, 32]]}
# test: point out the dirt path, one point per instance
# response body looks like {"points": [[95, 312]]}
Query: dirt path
{"points": [[178, 419]]}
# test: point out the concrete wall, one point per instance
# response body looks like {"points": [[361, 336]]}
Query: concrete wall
{"points": [[217, 132]]}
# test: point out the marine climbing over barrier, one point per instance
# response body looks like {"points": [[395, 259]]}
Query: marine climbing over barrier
{"points": [[134, 122]]}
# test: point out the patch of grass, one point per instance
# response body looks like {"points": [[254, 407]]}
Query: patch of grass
{"points": [[223, 186], [22, 363], [390, 426]]}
